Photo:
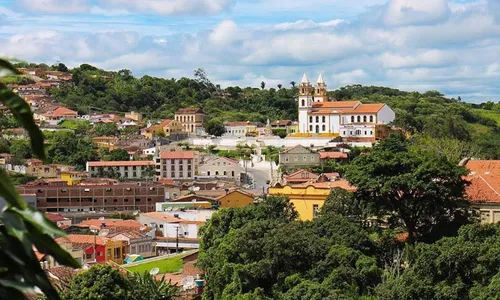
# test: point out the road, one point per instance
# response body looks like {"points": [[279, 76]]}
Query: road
{"points": [[261, 173]]}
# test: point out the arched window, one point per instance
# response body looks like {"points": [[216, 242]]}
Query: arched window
{"points": [[303, 102], [352, 119], [310, 128], [324, 119], [225, 173], [371, 118], [317, 119], [317, 128], [359, 119], [364, 119], [324, 128], [216, 173], [303, 91], [208, 173], [310, 119]]}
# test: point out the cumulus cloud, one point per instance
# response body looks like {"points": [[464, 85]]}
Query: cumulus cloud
{"points": [[423, 45], [169, 7], [56, 6], [224, 33], [415, 12]]}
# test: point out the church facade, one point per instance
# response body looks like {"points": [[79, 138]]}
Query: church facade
{"points": [[320, 117]]}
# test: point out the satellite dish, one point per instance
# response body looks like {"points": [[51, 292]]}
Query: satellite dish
{"points": [[135, 213], [154, 271], [103, 232], [101, 218]]}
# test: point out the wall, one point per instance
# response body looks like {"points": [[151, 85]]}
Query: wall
{"points": [[230, 143], [235, 199], [303, 199], [489, 212]]}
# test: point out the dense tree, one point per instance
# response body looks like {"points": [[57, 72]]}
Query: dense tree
{"points": [[99, 282], [4, 145], [61, 67], [119, 155], [262, 85], [69, 148], [421, 190], [215, 127], [105, 129], [21, 149]]}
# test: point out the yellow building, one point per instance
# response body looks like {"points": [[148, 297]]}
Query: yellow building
{"points": [[235, 199], [71, 177], [116, 250], [308, 198]]}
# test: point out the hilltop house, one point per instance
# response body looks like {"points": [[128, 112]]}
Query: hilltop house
{"points": [[191, 118]]}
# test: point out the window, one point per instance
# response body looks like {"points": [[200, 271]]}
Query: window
{"points": [[232, 173], [352, 119], [225, 173], [371, 118], [310, 119], [365, 132], [296, 158], [364, 119], [310, 128], [303, 102], [115, 200], [216, 173], [359, 119], [208, 173], [109, 253], [317, 119], [343, 132], [315, 211], [323, 119], [323, 128], [371, 132], [125, 200]]}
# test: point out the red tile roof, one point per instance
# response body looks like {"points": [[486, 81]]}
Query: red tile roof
{"points": [[54, 217], [177, 155], [484, 180], [238, 124], [110, 223], [85, 239], [301, 176], [126, 163], [162, 216], [165, 123], [336, 104], [333, 155]]}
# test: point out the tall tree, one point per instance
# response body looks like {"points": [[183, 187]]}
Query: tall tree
{"points": [[292, 83], [215, 127], [280, 86], [262, 85], [119, 155], [421, 190]]}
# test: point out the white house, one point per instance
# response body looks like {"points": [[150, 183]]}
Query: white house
{"points": [[318, 116]]}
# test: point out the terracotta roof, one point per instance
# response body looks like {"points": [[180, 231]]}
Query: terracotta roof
{"points": [[55, 217], [162, 216], [125, 163], [484, 180], [63, 111], [296, 146], [238, 123], [85, 239], [234, 191], [131, 234], [333, 155], [165, 123], [334, 175], [281, 122], [297, 176], [367, 108], [131, 224], [336, 104], [177, 155], [342, 183], [189, 110]]}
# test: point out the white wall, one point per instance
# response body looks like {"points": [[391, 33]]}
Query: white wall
{"points": [[276, 142], [386, 115]]}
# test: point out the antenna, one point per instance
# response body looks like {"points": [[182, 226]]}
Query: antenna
{"points": [[103, 232], [154, 271]]}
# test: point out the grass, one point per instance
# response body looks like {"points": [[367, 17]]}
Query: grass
{"points": [[167, 265], [492, 114]]}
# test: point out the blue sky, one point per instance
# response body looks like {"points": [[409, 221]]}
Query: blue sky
{"points": [[447, 45]]}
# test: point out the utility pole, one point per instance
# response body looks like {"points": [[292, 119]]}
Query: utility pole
{"points": [[177, 239]]}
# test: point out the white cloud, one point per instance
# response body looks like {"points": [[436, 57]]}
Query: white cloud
{"points": [[169, 7], [352, 77], [427, 58], [224, 33], [56, 6], [308, 24], [410, 12]]}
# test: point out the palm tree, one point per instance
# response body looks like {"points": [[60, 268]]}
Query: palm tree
{"points": [[279, 86], [150, 288], [292, 83], [262, 85]]}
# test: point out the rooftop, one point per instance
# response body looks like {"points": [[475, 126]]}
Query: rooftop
{"points": [[177, 155], [484, 180], [333, 155], [189, 110], [125, 163]]}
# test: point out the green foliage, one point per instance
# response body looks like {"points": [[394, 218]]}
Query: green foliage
{"points": [[72, 149], [23, 228], [167, 265], [262, 252], [21, 149], [119, 155], [105, 129], [462, 267], [19, 178], [281, 132], [147, 287], [420, 189], [79, 126], [215, 127]]}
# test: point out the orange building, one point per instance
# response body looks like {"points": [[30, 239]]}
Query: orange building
{"points": [[235, 198]]}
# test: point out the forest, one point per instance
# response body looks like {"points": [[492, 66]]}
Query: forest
{"points": [[430, 113]]}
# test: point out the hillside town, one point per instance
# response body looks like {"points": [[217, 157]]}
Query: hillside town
{"points": [[249, 150]]}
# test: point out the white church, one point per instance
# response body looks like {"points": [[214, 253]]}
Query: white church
{"points": [[318, 116]]}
